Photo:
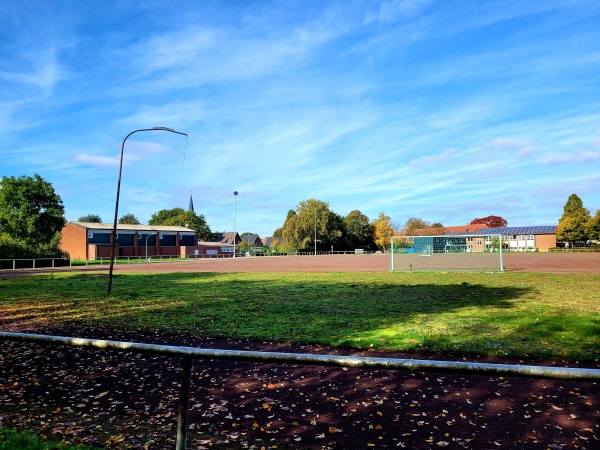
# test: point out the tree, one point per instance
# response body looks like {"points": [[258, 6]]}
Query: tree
{"points": [[437, 225], [307, 223], [129, 219], [593, 227], [180, 217], [312, 220], [31, 212], [490, 221], [90, 218], [573, 225], [359, 232], [414, 223], [382, 231]]}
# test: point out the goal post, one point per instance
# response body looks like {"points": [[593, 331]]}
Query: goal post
{"points": [[449, 253]]}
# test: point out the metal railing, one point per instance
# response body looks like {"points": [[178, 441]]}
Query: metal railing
{"points": [[33, 263], [575, 250], [413, 365]]}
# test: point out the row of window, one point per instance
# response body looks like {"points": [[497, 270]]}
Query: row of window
{"points": [[128, 239]]}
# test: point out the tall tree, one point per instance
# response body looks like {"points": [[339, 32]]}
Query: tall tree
{"points": [[359, 232], [572, 226], [490, 221], [309, 223], [129, 219], [90, 218], [312, 220], [31, 212], [382, 231], [414, 223], [180, 217]]}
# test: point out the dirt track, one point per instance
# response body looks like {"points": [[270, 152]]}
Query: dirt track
{"points": [[514, 262]]}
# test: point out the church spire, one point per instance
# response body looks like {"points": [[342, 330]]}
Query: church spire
{"points": [[191, 207]]}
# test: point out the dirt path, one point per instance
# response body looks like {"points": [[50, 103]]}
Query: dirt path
{"points": [[513, 262], [110, 399]]}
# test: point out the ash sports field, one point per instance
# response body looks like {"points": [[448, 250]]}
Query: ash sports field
{"points": [[513, 262]]}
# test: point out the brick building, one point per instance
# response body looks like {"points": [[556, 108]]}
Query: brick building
{"points": [[86, 240], [514, 239]]}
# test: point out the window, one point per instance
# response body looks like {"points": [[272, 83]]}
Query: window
{"points": [[90, 235], [226, 249], [478, 241]]}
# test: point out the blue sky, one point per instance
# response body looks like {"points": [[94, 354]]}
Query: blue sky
{"points": [[442, 110]]}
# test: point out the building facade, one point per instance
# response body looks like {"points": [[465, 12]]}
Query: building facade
{"points": [[514, 239], [86, 240]]}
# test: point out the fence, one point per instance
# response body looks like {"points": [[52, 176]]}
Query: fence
{"points": [[575, 250], [188, 354], [33, 263], [39, 263]]}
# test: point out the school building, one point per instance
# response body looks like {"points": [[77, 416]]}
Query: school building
{"points": [[87, 240]]}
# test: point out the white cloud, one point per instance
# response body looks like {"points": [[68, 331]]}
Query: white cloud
{"points": [[393, 10], [95, 160], [518, 147], [432, 160]]}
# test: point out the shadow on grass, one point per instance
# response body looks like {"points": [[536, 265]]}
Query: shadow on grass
{"points": [[349, 310]]}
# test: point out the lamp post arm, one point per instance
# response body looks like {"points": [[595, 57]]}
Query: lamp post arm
{"points": [[114, 230]]}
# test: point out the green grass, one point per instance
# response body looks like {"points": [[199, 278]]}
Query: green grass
{"points": [[14, 440], [502, 314]]}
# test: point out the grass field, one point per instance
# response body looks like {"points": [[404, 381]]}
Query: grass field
{"points": [[511, 314]]}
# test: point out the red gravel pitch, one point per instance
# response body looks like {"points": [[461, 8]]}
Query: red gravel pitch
{"points": [[513, 262]]}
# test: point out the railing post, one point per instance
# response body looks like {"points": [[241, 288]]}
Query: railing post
{"points": [[184, 402]]}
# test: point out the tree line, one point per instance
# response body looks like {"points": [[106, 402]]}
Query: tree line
{"points": [[32, 216]]}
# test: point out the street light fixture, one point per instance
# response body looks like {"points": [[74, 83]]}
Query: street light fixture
{"points": [[235, 194], [114, 230]]}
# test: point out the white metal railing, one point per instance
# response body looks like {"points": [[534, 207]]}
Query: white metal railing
{"points": [[33, 263], [16, 264], [188, 354], [575, 250]]}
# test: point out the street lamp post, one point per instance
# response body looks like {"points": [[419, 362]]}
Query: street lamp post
{"points": [[114, 230], [235, 194], [147, 245], [315, 233]]}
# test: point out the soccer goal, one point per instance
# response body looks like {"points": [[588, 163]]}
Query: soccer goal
{"points": [[450, 253]]}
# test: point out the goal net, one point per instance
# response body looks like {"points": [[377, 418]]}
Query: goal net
{"points": [[450, 253]]}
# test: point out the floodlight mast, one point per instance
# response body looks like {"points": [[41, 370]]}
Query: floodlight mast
{"points": [[114, 230]]}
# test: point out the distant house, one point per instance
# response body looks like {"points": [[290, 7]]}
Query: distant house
{"points": [[268, 241], [87, 240], [253, 240], [227, 237]]}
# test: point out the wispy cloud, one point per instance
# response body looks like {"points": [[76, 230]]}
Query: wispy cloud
{"points": [[447, 111], [95, 160]]}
